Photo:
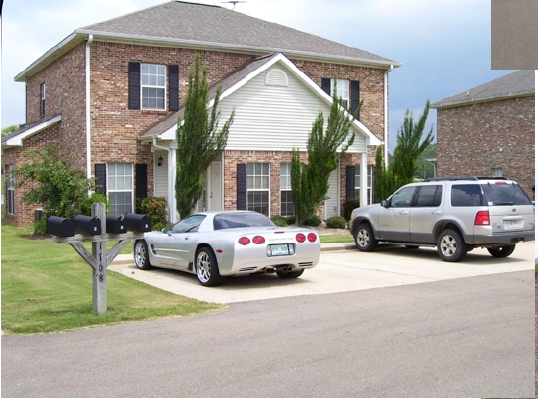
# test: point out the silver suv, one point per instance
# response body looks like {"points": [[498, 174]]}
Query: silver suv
{"points": [[454, 214]]}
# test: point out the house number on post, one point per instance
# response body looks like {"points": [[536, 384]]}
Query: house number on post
{"points": [[123, 229]]}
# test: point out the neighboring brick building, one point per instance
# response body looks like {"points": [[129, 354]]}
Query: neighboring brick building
{"points": [[489, 130], [109, 95]]}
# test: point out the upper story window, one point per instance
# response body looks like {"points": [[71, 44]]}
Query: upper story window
{"points": [[342, 90], [42, 97], [347, 90], [153, 83]]}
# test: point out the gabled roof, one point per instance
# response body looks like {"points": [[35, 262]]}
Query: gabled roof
{"points": [[165, 129], [16, 138], [200, 26], [520, 83]]}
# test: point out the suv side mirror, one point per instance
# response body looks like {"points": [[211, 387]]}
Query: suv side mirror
{"points": [[385, 204]]}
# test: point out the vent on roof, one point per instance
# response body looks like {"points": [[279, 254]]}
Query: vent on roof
{"points": [[276, 77]]}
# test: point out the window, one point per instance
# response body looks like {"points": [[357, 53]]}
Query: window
{"points": [[10, 190], [153, 81], [42, 96], [342, 90], [497, 172], [286, 203], [465, 195], [368, 183], [120, 188], [258, 187], [188, 225], [429, 196], [402, 198]]}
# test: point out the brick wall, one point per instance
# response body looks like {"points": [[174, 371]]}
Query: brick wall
{"points": [[474, 139]]}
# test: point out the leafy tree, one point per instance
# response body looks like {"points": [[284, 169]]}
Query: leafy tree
{"points": [[310, 182], [9, 129], [53, 182], [423, 167], [199, 141]]}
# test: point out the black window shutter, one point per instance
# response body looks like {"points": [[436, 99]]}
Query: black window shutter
{"points": [[173, 78], [242, 186], [350, 181], [355, 96], [100, 178], [134, 85], [141, 180], [326, 85]]}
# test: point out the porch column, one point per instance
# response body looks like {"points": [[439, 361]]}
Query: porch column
{"points": [[172, 182], [364, 179]]}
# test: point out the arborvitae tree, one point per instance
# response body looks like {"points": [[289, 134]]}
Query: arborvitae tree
{"points": [[310, 183], [199, 141]]}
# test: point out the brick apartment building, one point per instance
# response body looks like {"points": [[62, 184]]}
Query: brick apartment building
{"points": [[489, 130], [110, 94]]}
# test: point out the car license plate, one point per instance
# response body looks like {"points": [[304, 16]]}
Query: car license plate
{"points": [[279, 249], [512, 224]]}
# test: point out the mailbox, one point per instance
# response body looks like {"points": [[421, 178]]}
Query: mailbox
{"points": [[60, 227], [115, 225], [87, 225], [137, 223]]}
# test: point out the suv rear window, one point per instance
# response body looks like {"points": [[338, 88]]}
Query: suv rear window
{"points": [[505, 194], [465, 195]]}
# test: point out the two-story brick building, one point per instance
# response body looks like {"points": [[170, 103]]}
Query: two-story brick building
{"points": [[489, 130], [110, 94]]}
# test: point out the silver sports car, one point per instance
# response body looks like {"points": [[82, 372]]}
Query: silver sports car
{"points": [[217, 244]]}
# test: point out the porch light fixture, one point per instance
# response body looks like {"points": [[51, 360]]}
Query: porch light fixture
{"points": [[160, 161]]}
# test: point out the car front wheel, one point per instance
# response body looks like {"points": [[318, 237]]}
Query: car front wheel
{"points": [[364, 238], [207, 269], [450, 246], [141, 255], [502, 252]]}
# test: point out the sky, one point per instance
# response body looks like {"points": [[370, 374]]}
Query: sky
{"points": [[444, 45]]}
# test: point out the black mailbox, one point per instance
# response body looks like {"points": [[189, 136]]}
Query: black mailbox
{"points": [[137, 223], [115, 225], [87, 225], [60, 227]]}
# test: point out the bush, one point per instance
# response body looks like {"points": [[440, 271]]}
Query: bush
{"points": [[313, 221], [280, 221], [336, 222], [86, 204], [350, 204], [291, 220], [155, 208]]}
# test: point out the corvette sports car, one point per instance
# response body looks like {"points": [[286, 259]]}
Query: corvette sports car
{"points": [[217, 244]]}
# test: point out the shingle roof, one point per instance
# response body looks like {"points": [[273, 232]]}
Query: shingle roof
{"points": [[218, 26], [520, 83]]}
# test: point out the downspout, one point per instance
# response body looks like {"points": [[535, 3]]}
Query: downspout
{"points": [[88, 115], [386, 113], [171, 184]]}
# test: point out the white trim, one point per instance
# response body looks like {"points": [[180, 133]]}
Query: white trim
{"points": [[88, 113], [16, 141]]}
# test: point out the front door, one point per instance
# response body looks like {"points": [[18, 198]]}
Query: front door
{"points": [[215, 187]]}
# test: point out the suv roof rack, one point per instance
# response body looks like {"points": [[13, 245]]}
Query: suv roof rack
{"points": [[464, 178]]}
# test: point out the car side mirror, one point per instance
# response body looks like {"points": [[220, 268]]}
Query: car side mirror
{"points": [[385, 204], [166, 230]]}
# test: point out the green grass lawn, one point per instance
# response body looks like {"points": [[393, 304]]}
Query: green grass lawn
{"points": [[336, 239], [47, 287]]}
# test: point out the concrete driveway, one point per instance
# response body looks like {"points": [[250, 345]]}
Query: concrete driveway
{"points": [[342, 268]]}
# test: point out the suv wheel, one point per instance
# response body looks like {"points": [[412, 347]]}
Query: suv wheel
{"points": [[364, 238], [450, 246], [502, 252]]}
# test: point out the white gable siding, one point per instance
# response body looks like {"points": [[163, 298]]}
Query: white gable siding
{"points": [[270, 117]]}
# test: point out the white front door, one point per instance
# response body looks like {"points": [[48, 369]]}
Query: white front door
{"points": [[332, 205], [215, 187]]}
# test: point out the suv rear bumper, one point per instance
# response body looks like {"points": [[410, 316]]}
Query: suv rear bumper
{"points": [[505, 238]]}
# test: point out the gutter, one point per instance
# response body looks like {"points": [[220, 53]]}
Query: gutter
{"points": [[88, 113]]}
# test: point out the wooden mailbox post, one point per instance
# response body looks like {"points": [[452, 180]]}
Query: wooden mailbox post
{"points": [[99, 259]]}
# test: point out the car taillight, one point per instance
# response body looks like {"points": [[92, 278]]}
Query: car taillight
{"points": [[312, 237], [482, 218], [300, 238], [258, 240], [244, 241]]}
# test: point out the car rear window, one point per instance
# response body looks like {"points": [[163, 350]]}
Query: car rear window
{"points": [[465, 195], [239, 220], [505, 194]]}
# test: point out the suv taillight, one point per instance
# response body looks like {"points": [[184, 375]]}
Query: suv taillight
{"points": [[482, 218]]}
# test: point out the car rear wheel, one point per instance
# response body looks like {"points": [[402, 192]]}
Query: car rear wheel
{"points": [[450, 246], [141, 255], [502, 252], [207, 269], [287, 275], [364, 238]]}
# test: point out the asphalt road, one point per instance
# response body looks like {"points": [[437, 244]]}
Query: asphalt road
{"points": [[470, 336]]}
